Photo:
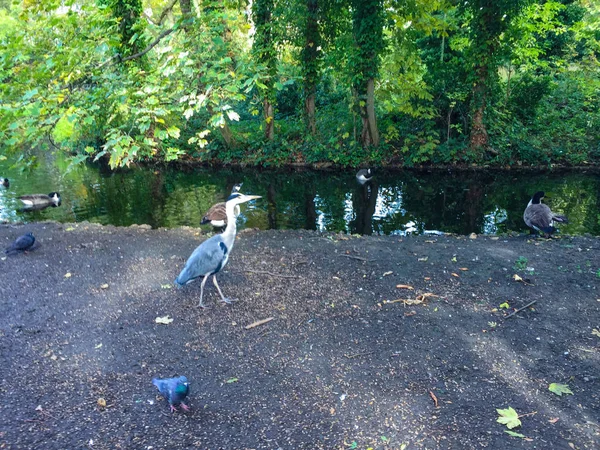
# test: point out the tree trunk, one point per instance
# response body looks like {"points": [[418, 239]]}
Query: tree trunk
{"points": [[269, 120], [310, 111], [372, 121], [479, 136]]}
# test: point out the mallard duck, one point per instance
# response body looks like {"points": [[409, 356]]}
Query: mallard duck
{"points": [[364, 175], [217, 214], [41, 201], [4, 182], [539, 216]]}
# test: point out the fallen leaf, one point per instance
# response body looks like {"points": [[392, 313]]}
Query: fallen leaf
{"points": [[430, 242], [473, 236], [404, 286], [455, 275], [553, 420], [101, 402], [259, 322], [515, 434], [434, 398], [596, 332], [508, 417], [494, 238], [559, 389], [409, 314], [231, 380], [39, 408], [164, 320], [572, 445], [504, 305], [387, 273], [104, 286], [464, 269], [166, 286], [99, 345], [70, 229], [427, 278], [332, 411], [453, 259], [518, 278], [68, 275], [423, 259]]}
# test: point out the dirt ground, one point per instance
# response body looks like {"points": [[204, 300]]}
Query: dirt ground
{"points": [[341, 365]]}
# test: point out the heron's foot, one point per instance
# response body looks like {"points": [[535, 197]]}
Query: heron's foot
{"points": [[202, 305], [229, 301]]}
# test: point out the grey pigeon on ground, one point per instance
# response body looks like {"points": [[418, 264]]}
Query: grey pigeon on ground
{"points": [[175, 390], [21, 244]]}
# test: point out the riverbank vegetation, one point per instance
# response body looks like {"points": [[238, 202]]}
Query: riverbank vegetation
{"points": [[348, 82]]}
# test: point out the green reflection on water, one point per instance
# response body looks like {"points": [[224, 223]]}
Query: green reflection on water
{"points": [[394, 203]]}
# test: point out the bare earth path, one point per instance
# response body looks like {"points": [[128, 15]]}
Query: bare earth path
{"points": [[337, 366]]}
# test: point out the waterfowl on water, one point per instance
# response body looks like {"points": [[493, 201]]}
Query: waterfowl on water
{"points": [[539, 216], [217, 214], [4, 182], [41, 201], [364, 175]]}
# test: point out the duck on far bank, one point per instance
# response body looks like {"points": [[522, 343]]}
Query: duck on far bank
{"points": [[364, 175], [4, 182], [217, 215], [539, 216], [40, 201]]}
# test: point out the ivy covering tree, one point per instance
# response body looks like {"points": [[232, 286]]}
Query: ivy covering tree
{"points": [[348, 82]]}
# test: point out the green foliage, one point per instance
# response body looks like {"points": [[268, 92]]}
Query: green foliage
{"points": [[559, 389], [110, 80], [508, 417], [521, 263]]}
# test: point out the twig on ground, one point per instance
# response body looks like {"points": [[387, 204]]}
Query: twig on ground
{"points": [[356, 355], [434, 398], [357, 257], [270, 273], [258, 322], [520, 309]]}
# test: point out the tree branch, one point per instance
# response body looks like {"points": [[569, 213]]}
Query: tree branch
{"points": [[150, 46]]}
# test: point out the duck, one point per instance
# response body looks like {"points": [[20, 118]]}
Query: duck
{"points": [[539, 216], [364, 175], [41, 201], [4, 182], [217, 214]]}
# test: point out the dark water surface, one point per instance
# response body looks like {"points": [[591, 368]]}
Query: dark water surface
{"points": [[394, 203]]}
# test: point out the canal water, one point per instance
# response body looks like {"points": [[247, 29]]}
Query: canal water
{"points": [[395, 202]]}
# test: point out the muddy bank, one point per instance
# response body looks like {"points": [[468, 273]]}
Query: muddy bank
{"points": [[342, 364]]}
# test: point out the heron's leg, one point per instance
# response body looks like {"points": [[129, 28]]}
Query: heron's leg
{"points": [[223, 298], [201, 305]]}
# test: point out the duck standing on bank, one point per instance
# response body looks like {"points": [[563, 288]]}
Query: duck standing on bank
{"points": [[40, 201], [217, 215], [212, 255], [539, 216], [364, 175]]}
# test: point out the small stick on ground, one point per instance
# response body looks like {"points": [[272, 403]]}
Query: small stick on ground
{"points": [[520, 309], [357, 258], [270, 273], [356, 355], [258, 322], [434, 398]]}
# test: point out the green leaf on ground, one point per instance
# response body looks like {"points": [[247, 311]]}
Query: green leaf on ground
{"points": [[559, 389], [514, 434], [232, 380], [508, 417]]}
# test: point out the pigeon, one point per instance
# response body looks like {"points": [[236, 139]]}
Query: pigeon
{"points": [[175, 390], [21, 244]]}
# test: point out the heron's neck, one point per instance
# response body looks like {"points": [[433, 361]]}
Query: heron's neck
{"points": [[231, 228]]}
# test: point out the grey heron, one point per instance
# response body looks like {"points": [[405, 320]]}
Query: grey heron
{"points": [[540, 217], [217, 215], [41, 201], [364, 175], [212, 255]]}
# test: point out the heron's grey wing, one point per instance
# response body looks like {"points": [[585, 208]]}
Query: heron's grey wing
{"points": [[206, 259], [538, 216]]}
